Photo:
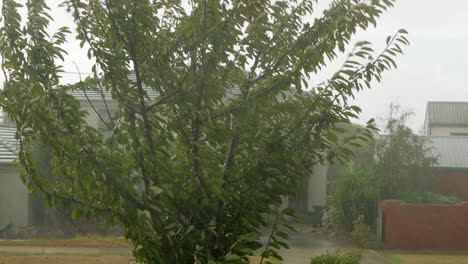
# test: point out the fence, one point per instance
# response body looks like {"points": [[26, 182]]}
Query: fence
{"points": [[425, 225]]}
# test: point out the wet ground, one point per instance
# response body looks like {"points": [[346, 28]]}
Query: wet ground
{"points": [[305, 245]]}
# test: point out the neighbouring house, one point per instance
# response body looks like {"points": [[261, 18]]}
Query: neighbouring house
{"points": [[446, 119], [17, 207], [446, 126]]}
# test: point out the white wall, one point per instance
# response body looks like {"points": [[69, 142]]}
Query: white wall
{"points": [[92, 119], [14, 197], [445, 131], [317, 187]]}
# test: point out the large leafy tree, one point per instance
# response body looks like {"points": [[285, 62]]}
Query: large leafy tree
{"points": [[192, 173]]}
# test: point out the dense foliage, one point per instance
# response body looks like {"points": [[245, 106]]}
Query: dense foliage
{"points": [[429, 198], [356, 194], [403, 159], [338, 258], [191, 173]]}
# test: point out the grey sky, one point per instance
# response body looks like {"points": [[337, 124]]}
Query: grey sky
{"points": [[434, 67]]}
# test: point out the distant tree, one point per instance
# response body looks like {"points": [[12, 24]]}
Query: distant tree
{"points": [[190, 175], [403, 160]]}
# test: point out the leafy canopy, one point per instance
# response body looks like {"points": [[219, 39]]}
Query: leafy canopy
{"points": [[191, 173]]}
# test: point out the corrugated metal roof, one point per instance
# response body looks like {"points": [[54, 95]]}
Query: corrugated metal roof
{"points": [[8, 145], [447, 113], [97, 96], [451, 151]]}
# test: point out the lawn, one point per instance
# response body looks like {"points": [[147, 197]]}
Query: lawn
{"points": [[93, 241], [14, 258], [426, 259]]}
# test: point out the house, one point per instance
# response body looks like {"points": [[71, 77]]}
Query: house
{"points": [[446, 119], [446, 126], [20, 209]]}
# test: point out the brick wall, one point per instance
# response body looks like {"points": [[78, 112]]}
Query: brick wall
{"points": [[453, 184], [425, 226]]}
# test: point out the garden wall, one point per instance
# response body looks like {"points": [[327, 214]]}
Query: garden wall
{"points": [[425, 225]]}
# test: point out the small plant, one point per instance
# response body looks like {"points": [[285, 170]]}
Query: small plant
{"points": [[338, 257], [332, 220]]}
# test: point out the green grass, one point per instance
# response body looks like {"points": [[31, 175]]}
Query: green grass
{"points": [[79, 241], [394, 259], [425, 259]]}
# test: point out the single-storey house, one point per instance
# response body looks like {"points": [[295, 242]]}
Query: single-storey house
{"points": [[18, 208]]}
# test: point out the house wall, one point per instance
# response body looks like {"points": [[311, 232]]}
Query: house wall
{"points": [[92, 119], [14, 197], [425, 225], [445, 131], [317, 187], [452, 183]]}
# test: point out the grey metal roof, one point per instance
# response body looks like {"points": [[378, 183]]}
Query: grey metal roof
{"points": [[451, 151], [447, 114], [8, 145], [97, 96]]}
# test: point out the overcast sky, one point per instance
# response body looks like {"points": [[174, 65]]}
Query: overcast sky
{"points": [[434, 67]]}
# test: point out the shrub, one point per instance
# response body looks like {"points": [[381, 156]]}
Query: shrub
{"points": [[356, 194], [363, 236], [312, 218], [337, 258], [332, 220], [429, 198]]}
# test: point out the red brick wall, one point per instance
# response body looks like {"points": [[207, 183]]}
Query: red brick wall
{"points": [[453, 184], [425, 225]]}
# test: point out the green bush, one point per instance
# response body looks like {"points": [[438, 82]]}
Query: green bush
{"points": [[337, 258], [312, 218], [356, 194], [363, 236], [332, 220], [429, 198]]}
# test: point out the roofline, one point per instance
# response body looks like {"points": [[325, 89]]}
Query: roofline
{"points": [[454, 137], [430, 125], [447, 102], [454, 169]]}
